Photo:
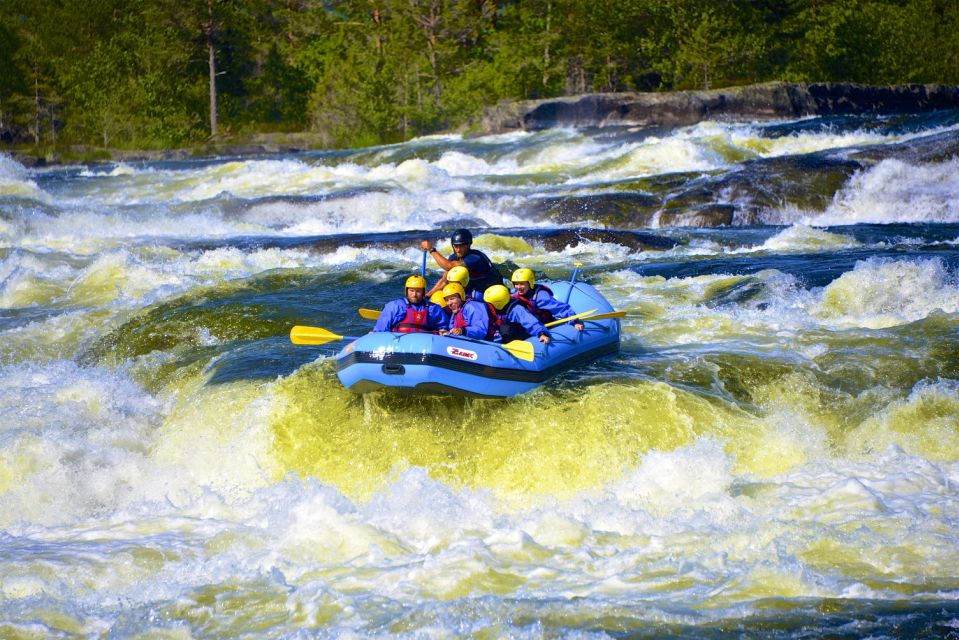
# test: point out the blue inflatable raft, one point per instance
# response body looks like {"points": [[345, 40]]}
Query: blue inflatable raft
{"points": [[430, 364]]}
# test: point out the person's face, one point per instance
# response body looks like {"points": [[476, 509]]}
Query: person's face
{"points": [[415, 296], [454, 302], [461, 250], [522, 288]]}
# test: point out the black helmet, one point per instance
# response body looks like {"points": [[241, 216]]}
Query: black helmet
{"points": [[462, 236]]}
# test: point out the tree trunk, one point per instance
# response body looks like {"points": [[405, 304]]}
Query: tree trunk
{"points": [[429, 22], [211, 50], [549, 20], [431, 40], [36, 103], [213, 122]]}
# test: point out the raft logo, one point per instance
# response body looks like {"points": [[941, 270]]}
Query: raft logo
{"points": [[461, 353]]}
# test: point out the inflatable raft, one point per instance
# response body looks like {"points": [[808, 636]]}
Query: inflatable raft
{"points": [[426, 363]]}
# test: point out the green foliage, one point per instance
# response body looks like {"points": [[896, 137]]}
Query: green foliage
{"points": [[136, 73]]}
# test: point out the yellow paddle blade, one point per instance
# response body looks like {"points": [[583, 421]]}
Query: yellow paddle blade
{"points": [[521, 349], [562, 320], [370, 314], [606, 316], [312, 335]]}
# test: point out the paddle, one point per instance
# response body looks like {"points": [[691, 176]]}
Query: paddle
{"points": [[562, 320], [314, 335], [521, 349], [572, 281], [318, 335], [606, 316]]}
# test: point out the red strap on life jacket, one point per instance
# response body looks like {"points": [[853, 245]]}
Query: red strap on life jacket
{"points": [[414, 322], [541, 314], [459, 320]]}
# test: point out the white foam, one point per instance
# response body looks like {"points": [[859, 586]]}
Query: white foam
{"points": [[804, 238], [877, 293], [77, 441], [121, 169], [683, 480], [15, 181], [881, 293], [896, 191]]}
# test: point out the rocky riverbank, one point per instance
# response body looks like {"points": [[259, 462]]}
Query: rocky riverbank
{"points": [[753, 102], [773, 100], [224, 146]]}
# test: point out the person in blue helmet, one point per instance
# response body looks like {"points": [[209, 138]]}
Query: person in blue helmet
{"points": [[482, 272], [412, 314], [512, 319]]}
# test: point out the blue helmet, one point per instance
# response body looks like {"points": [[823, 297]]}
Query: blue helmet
{"points": [[462, 236]]}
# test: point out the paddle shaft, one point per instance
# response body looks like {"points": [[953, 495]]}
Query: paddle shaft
{"points": [[562, 320], [572, 281]]}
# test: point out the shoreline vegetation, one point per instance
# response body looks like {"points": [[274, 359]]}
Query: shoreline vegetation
{"points": [[773, 100], [129, 79]]}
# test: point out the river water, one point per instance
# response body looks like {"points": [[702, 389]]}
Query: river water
{"points": [[774, 452]]}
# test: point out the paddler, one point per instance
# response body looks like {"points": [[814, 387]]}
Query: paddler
{"points": [[482, 272], [470, 318], [538, 299], [456, 275], [461, 275], [414, 313], [512, 319]]}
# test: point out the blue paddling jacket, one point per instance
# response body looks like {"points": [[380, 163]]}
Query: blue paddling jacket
{"points": [[400, 315]]}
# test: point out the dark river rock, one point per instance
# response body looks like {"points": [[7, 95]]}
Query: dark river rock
{"points": [[760, 101], [633, 239], [549, 239]]}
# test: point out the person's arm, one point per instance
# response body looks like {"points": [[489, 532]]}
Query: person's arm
{"points": [[445, 263], [533, 326], [436, 318], [437, 287], [477, 322], [559, 309], [385, 321]]}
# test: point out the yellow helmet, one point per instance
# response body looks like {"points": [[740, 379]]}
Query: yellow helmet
{"points": [[497, 295], [416, 282], [460, 274], [454, 289], [524, 275], [437, 298]]}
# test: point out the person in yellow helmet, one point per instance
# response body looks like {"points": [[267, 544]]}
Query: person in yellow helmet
{"points": [[413, 313], [470, 318], [438, 299], [538, 299], [512, 320], [461, 275]]}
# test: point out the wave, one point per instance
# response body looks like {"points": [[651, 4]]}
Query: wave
{"points": [[15, 181], [877, 293], [881, 293], [894, 191], [799, 237]]}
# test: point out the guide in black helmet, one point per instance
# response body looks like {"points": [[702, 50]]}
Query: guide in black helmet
{"points": [[483, 273]]}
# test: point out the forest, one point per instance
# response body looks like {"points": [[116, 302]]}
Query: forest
{"points": [[154, 74]]}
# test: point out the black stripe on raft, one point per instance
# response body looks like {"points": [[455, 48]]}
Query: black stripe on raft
{"points": [[472, 368], [425, 388]]}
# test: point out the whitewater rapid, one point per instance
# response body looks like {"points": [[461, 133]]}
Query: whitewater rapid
{"points": [[774, 452]]}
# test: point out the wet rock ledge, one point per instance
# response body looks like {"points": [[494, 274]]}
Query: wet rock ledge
{"points": [[760, 101]]}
